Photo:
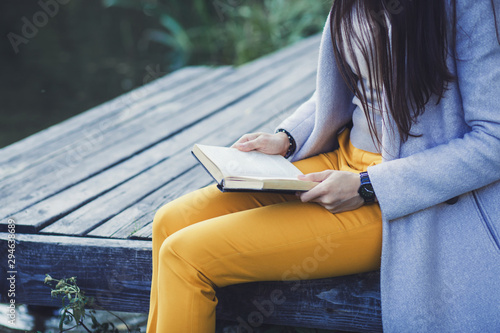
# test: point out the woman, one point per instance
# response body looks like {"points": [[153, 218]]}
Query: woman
{"points": [[409, 92]]}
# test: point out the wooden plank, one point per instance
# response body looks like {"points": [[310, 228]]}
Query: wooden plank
{"points": [[96, 212], [111, 203], [41, 214], [116, 272], [235, 88], [91, 137], [146, 232], [30, 150], [126, 223], [347, 303]]}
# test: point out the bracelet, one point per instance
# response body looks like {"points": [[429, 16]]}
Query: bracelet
{"points": [[292, 146]]}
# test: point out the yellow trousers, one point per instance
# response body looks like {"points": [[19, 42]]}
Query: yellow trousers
{"points": [[207, 239]]}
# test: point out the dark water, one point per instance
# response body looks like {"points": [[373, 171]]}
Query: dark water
{"points": [[61, 57], [60, 61]]}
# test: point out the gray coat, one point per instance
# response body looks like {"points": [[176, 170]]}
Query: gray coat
{"points": [[440, 268]]}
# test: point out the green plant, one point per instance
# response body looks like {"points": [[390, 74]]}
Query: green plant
{"points": [[74, 307], [255, 28], [137, 227], [226, 32], [171, 35]]}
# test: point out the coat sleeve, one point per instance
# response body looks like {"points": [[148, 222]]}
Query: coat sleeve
{"points": [[409, 184], [315, 123], [300, 124]]}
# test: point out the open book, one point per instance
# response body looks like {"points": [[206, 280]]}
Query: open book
{"points": [[234, 170]]}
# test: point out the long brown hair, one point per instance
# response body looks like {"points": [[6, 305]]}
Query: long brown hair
{"points": [[407, 66]]}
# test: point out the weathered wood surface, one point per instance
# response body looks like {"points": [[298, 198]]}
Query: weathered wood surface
{"points": [[346, 303], [160, 124], [31, 150], [117, 273], [84, 192]]}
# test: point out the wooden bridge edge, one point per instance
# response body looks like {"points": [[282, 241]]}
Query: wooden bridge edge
{"points": [[117, 273]]}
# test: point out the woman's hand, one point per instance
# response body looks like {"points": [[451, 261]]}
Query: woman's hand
{"points": [[337, 190], [272, 144]]}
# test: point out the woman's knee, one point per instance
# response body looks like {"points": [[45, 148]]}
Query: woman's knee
{"points": [[182, 259], [161, 221], [184, 211], [178, 249], [167, 249]]}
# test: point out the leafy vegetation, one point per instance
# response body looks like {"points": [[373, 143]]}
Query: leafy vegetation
{"points": [[76, 307], [228, 31]]}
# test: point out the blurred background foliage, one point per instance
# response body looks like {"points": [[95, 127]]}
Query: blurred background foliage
{"points": [[88, 52]]}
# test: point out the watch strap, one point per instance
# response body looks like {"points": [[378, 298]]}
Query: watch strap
{"points": [[366, 188]]}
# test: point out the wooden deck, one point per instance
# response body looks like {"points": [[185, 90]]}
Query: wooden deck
{"points": [[83, 193]]}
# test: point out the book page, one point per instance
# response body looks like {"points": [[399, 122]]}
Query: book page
{"points": [[233, 162]]}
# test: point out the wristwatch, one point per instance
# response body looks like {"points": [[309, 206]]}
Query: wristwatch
{"points": [[366, 189]]}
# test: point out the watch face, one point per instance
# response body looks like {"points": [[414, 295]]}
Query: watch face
{"points": [[366, 192]]}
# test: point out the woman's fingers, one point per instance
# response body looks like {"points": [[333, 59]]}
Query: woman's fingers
{"points": [[315, 194], [264, 142], [337, 192], [244, 139], [319, 190], [316, 176]]}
